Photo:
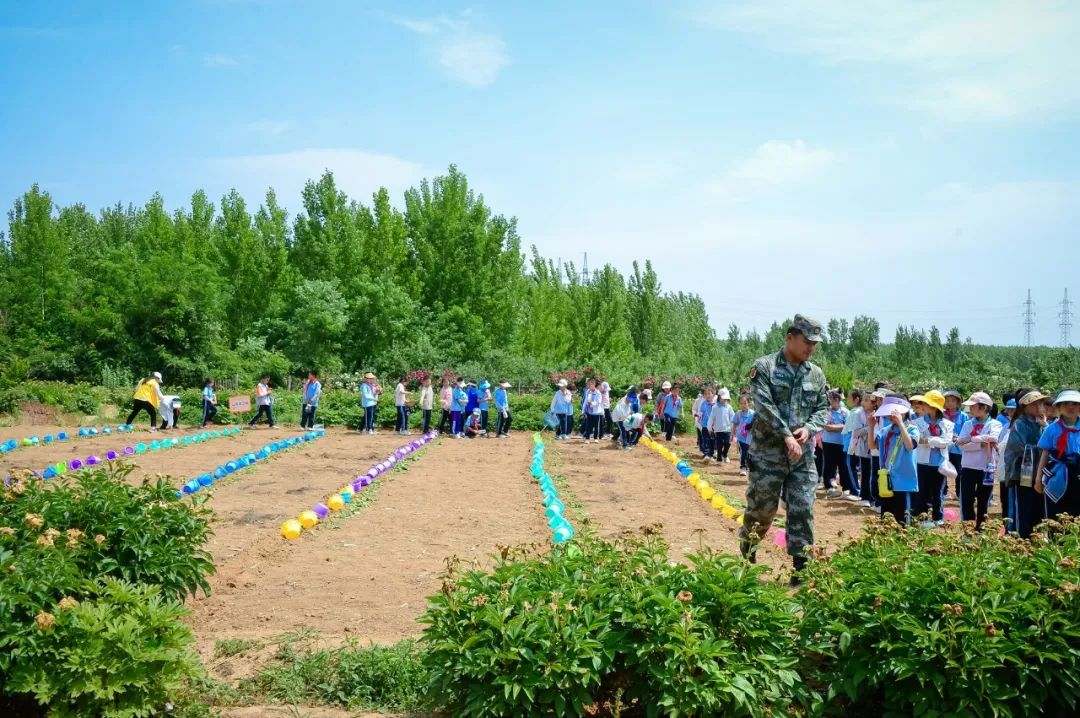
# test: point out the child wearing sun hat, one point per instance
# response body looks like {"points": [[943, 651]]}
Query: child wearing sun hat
{"points": [[896, 440], [935, 440], [1060, 453], [978, 441], [1020, 460], [502, 406]]}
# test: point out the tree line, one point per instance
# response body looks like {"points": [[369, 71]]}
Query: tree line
{"points": [[442, 281]]}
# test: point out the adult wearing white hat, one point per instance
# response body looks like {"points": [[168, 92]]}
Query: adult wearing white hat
{"points": [[147, 396], [369, 399], [978, 440]]}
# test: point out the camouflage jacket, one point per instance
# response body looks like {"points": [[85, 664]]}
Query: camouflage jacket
{"points": [[785, 397]]}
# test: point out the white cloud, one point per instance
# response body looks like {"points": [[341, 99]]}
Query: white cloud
{"points": [[219, 60], [358, 173], [267, 128], [772, 164], [963, 60], [468, 55]]}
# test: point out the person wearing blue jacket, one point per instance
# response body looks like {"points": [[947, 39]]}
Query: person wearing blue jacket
{"points": [[502, 406], [459, 402], [562, 405], [483, 400], [707, 407], [369, 398]]}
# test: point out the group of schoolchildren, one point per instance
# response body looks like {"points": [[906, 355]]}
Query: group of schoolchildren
{"points": [[466, 406], [906, 455], [624, 421], [716, 422]]}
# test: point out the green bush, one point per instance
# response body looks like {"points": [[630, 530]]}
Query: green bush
{"points": [[147, 536], [92, 572], [119, 652], [920, 623], [611, 623]]}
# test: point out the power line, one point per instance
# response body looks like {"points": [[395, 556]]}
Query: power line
{"points": [[1029, 319], [1066, 316]]}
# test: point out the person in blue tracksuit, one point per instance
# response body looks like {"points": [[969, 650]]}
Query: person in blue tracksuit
{"points": [[502, 407], [483, 400], [369, 398], [707, 406], [459, 402]]}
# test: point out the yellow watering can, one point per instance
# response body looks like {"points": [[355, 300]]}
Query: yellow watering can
{"points": [[883, 483]]}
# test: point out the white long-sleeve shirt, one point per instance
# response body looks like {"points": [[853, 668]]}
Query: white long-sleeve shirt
{"points": [[722, 418], [980, 451], [936, 448]]}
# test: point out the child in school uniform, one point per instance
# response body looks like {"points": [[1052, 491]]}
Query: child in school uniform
{"points": [[896, 439], [935, 440], [502, 406], [707, 406], [695, 411], [264, 400], [1021, 459], [593, 410], [605, 403], [562, 405], [473, 428], [309, 395], [209, 402], [636, 427], [744, 422], [673, 406], [459, 403], [401, 403], [369, 398], [427, 403], [978, 441], [955, 414], [866, 455], [832, 446], [1060, 451], [446, 401], [483, 401], [851, 463], [721, 421]]}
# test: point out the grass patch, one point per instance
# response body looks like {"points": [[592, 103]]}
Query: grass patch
{"points": [[385, 678], [229, 647]]}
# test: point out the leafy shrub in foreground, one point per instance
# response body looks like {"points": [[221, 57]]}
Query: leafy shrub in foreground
{"points": [[120, 652], [611, 623], [919, 623], [147, 536], [92, 571]]}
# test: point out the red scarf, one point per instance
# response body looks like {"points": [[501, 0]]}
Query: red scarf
{"points": [[976, 429], [1063, 440], [951, 415], [935, 428]]}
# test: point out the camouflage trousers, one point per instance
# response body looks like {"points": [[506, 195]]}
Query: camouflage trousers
{"points": [[774, 479]]}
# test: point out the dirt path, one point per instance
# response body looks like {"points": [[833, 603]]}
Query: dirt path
{"points": [[627, 490], [368, 576]]}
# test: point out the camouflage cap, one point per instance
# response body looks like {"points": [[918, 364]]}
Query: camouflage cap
{"points": [[807, 327]]}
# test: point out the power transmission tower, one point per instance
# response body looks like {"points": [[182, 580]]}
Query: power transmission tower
{"points": [[585, 270], [1066, 320], [1029, 319]]}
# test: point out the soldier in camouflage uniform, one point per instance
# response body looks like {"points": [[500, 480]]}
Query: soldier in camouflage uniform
{"points": [[791, 405]]}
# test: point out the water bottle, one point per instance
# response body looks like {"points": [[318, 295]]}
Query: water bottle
{"points": [[883, 483]]}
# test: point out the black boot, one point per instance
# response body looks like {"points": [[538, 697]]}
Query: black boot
{"points": [[799, 562]]}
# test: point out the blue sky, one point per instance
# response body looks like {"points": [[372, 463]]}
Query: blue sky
{"points": [[917, 162]]}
